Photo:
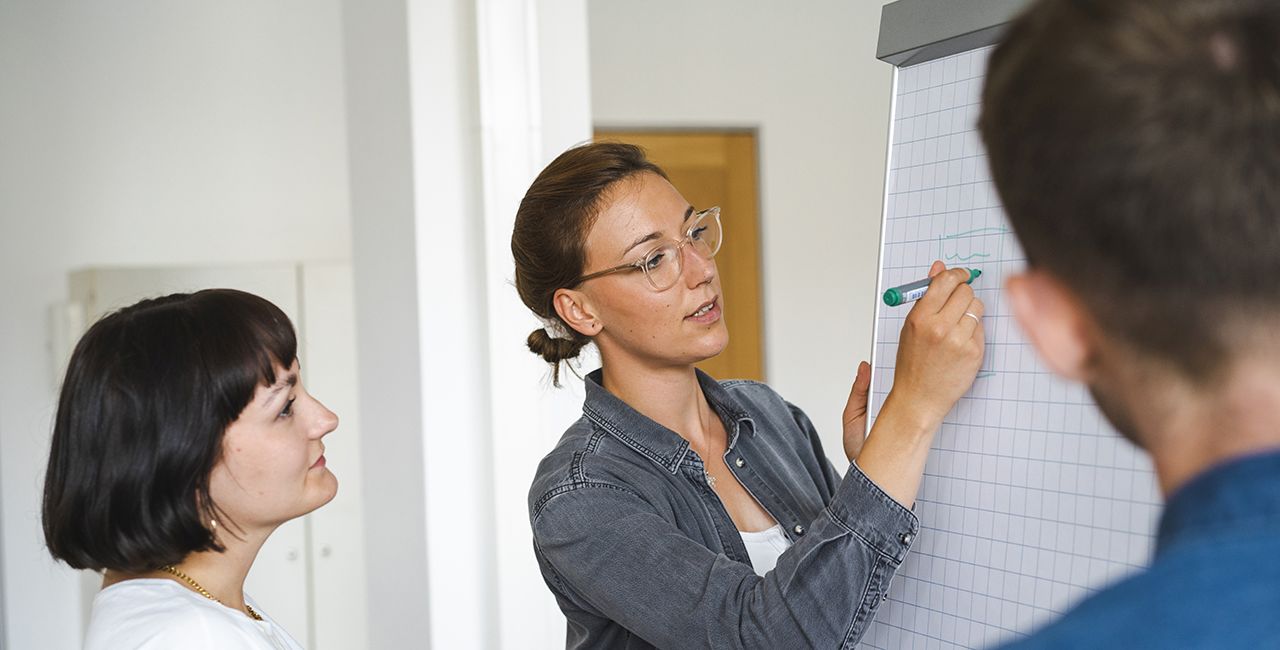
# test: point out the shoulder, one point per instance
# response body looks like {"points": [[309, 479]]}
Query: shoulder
{"points": [[144, 613], [1111, 616], [585, 459], [756, 396], [752, 391], [1193, 599], [147, 614]]}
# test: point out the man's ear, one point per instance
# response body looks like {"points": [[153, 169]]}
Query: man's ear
{"points": [[1054, 320], [575, 310]]}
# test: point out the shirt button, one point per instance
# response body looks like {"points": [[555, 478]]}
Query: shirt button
{"points": [[740, 462], [905, 537], [799, 529]]}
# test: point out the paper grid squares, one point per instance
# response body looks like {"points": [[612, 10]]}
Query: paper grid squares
{"points": [[1030, 500]]}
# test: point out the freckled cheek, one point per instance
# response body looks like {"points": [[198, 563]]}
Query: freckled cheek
{"points": [[646, 316]]}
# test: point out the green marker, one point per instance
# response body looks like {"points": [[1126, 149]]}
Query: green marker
{"points": [[914, 290]]}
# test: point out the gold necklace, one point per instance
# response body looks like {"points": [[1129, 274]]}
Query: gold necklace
{"points": [[169, 568]]}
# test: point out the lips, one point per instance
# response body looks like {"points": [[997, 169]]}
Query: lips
{"points": [[707, 312], [319, 462]]}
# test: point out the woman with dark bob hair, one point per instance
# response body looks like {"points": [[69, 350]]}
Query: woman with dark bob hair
{"points": [[183, 438], [685, 512]]}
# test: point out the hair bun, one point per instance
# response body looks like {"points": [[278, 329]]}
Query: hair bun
{"points": [[555, 350]]}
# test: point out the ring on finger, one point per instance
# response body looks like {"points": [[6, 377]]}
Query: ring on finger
{"points": [[974, 316]]}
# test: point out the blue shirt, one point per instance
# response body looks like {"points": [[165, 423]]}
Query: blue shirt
{"points": [[1214, 581], [640, 552]]}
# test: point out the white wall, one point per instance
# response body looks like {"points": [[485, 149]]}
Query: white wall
{"points": [[449, 121], [140, 133], [804, 74]]}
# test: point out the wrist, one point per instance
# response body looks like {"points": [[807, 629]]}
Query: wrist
{"points": [[853, 444], [908, 417]]}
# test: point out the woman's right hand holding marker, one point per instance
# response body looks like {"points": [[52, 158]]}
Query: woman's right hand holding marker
{"points": [[939, 353], [941, 346]]}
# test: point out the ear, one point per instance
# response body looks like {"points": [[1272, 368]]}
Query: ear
{"points": [[575, 310], [1054, 320]]}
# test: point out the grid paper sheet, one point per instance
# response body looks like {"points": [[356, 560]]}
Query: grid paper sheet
{"points": [[1030, 500]]}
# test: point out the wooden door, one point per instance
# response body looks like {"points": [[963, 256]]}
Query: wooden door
{"points": [[719, 168]]}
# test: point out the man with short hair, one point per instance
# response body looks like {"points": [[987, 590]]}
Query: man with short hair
{"points": [[1136, 147]]}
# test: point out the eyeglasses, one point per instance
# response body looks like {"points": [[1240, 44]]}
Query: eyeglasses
{"points": [[664, 265]]}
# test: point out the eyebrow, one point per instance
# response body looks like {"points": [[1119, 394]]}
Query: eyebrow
{"points": [[688, 211], [290, 380]]}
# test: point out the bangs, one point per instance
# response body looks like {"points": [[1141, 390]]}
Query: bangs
{"points": [[247, 339], [270, 335]]}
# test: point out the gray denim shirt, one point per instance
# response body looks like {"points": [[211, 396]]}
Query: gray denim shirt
{"points": [[640, 552]]}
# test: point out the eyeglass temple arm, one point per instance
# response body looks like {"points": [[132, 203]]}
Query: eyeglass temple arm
{"points": [[620, 267]]}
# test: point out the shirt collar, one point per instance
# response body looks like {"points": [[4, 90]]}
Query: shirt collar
{"points": [[1223, 497], [652, 440]]}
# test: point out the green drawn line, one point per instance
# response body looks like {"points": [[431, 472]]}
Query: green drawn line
{"points": [[966, 258], [997, 229], [983, 375]]}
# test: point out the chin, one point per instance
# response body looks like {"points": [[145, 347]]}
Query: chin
{"points": [[712, 344], [333, 488], [325, 491]]}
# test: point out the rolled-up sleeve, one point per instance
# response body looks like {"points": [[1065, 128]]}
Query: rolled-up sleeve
{"points": [[616, 553]]}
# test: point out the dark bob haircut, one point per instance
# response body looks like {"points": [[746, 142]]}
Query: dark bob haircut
{"points": [[148, 394]]}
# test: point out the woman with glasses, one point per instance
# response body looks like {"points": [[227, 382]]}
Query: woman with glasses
{"points": [[685, 512]]}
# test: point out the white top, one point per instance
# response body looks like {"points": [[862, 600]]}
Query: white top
{"points": [[764, 547], [150, 614]]}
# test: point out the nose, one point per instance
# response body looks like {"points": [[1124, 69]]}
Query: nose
{"points": [[698, 270], [326, 421]]}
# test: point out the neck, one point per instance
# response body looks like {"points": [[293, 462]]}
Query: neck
{"points": [[670, 396], [1189, 429], [222, 574]]}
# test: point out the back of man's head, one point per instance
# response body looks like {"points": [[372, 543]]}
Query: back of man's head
{"points": [[1136, 147]]}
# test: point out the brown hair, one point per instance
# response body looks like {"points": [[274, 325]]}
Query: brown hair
{"points": [[1135, 145], [549, 239]]}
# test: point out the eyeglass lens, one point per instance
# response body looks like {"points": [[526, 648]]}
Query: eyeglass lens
{"points": [[664, 264]]}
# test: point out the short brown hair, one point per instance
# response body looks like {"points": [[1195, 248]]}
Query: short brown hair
{"points": [[549, 239], [1136, 147]]}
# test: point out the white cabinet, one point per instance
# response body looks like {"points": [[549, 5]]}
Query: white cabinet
{"points": [[310, 574]]}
